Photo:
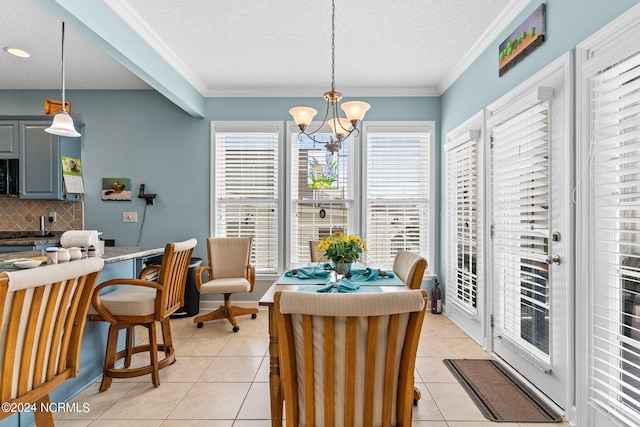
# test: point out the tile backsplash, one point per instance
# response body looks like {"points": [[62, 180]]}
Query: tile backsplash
{"points": [[23, 215]]}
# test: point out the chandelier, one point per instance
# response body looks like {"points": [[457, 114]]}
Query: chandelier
{"points": [[342, 128]]}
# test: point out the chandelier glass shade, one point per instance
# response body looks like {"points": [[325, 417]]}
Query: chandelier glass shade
{"points": [[341, 127], [62, 122]]}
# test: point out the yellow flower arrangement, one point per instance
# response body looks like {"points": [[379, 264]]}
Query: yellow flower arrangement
{"points": [[341, 248]]}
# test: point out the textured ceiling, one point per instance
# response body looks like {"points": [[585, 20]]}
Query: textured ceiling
{"points": [[258, 47]]}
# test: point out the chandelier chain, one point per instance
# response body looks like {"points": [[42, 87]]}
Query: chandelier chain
{"points": [[333, 45]]}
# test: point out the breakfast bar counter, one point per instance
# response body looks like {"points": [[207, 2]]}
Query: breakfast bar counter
{"points": [[112, 254]]}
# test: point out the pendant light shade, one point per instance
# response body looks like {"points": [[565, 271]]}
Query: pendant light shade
{"points": [[62, 122], [62, 125]]}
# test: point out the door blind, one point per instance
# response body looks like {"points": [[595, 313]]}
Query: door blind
{"points": [[614, 363], [462, 217], [520, 229], [246, 192], [397, 194]]}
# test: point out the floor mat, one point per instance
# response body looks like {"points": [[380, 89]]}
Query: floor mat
{"points": [[498, 394]]}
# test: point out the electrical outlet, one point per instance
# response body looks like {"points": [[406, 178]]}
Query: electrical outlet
{"points": [[129, 216], [53, 216]]}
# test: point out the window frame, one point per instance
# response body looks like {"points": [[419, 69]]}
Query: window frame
{"points": [[251, 127], [428, 127], [605, 49]]}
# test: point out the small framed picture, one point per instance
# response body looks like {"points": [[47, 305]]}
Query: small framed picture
{"points": [[116, 189]]}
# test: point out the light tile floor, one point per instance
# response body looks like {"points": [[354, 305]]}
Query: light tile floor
{"points": [[220, 379]]}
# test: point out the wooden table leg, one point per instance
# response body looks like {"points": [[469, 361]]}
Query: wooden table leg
{"points": [[275, 385]]}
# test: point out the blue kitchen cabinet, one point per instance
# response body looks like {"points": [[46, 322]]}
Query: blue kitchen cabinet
{"points": [[9, 141], [41, 160]]}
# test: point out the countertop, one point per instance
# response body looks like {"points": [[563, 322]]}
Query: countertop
{"points": [[111, 255]]}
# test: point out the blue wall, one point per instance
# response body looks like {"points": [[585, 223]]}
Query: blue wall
{"points": [[142, 135]]}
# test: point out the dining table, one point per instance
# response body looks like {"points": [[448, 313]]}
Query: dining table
{"points": [[385, 281]]}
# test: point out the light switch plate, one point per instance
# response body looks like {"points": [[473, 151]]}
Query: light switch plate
{"points": [[129, 216]]}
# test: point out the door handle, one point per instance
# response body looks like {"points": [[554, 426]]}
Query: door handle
{"points": [[553, 259]]}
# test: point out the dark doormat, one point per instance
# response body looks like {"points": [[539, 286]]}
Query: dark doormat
{"points": [[498, 394]]}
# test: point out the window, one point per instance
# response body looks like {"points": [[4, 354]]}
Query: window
{"points": [[321, 191], [384, 199], [245, 187], [397, 189], [609, 203], [462, 217]]}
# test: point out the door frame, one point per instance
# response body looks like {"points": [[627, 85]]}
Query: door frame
{"points": [[561, 68]]}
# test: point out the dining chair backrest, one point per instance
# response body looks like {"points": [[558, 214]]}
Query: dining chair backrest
{"points": [[173, 276], [44, 311], [410, 268], [315, 254], [348, 359]]}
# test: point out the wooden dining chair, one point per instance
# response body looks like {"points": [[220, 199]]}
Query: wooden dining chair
{"points": [[315, 254], [410, 268], [348, 359], [44, 311], [143, 302]]}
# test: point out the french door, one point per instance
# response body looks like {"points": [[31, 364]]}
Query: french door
{"points": [[530, 186]]}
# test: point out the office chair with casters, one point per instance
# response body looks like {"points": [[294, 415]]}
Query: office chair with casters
{"points": [[348, 358], [143, 302], [44, 312], [410, 268], [229, 272]]}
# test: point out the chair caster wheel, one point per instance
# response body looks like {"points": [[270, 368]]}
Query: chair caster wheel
{"points": [[236, 328], [253, 316], [200, 325]]}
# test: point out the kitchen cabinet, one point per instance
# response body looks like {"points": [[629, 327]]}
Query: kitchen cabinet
{"points": [[40, 161], [9, 141]]}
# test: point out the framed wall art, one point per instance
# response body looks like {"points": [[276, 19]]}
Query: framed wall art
{"points": [[116, 188], [524, 40]]}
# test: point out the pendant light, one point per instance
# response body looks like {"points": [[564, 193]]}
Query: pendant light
{"points": [[341, 127], [62, 122]]}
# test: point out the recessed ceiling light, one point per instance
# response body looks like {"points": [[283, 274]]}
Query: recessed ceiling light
{"points": [[17, 52]]}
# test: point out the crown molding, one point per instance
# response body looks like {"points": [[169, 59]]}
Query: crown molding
{"points": [[131, 18], [294, 92], [506, 18]]}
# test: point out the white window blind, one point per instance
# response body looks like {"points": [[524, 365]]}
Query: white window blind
{"points": [[246, 189], [397, 193], [520, 229], [462, 217], [614, 205], [321, 191]]}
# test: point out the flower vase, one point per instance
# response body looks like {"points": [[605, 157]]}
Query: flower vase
{"points": [[343, 269]]}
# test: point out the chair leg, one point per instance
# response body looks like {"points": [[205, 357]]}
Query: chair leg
{"points": [[167, 341], [416, 396], [109, 357], [129, 346], [153, 354], [43, 419]]}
